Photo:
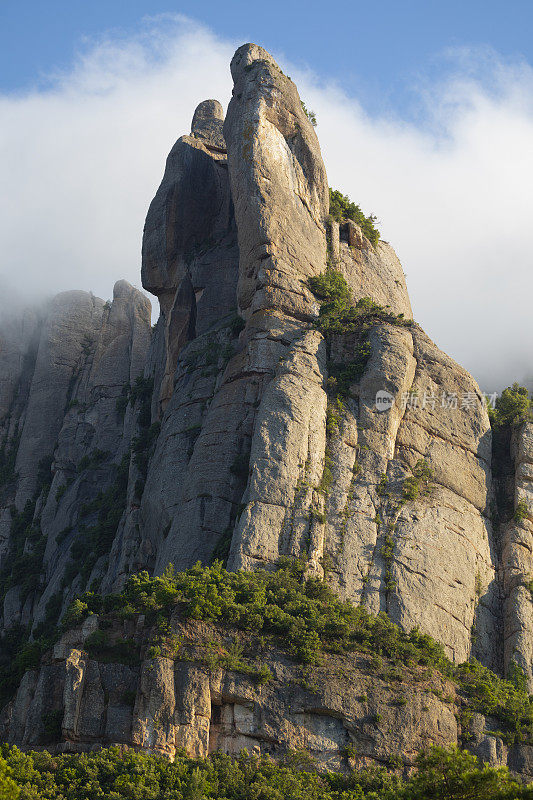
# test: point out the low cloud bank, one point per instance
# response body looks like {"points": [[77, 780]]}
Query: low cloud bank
{"points": [[82, 157]]}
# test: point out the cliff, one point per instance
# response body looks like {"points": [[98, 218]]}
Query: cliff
{"points": [[270, 413]]}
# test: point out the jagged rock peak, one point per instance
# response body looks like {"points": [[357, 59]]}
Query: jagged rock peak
{"points": [[244, 430], [279, 187], [246, 55], [124, 290], [207, 123]]}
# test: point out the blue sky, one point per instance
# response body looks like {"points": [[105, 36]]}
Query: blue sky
{"points": [[376, 50], [425, 118]]}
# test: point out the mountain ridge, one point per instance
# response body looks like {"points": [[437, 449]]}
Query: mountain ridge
{"points": [[246, 427]]}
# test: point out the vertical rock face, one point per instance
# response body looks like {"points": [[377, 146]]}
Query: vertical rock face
{"points": [[517, 559], [370, 270], [68, 331], [190, 245], [62, 443], [279, 188], [239, 465], [208, 440], [280, 192], [238, 431]]}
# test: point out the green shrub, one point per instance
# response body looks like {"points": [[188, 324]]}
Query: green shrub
{"points": [[237, 324], [441, 773], [341, 209], [23, 564], [419, 482], [512, 407], [223, 546], [311, 116], [129, 697], [93, 460], [75, 614], [241, 465], [52, 725], [505, 699], [122, 401], [8, 457], [302, 614], [342, 376], [8, 788], [96, 540], [338, 314], [143, 447], [99, 647], [61, 491], [521, 511], [333, 419], [331, 285], [381, 488]]}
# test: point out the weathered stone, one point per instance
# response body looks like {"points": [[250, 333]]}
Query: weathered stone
{"points": [[153, 721], [278, 185], [253, 446], [517, 560], [190, 255]]}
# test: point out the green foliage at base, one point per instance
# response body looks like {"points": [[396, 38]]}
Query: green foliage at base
{"points": [[341, 209], [111, 774], [306, 618], [8, 788], [338, 314], [507, 700], [512, 407]]}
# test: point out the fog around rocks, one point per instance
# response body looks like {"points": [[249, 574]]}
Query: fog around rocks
{"points": [[83, 152]]}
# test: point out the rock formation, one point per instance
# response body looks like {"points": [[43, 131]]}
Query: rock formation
{"points": [[224, 435]]}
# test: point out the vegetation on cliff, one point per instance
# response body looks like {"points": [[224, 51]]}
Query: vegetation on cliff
{"points": [[512, 407], [341, 209], [303, 616], [111, 774], [339, 314], [311, 116]]}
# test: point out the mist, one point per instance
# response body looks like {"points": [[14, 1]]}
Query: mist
{"points": [[83, 152]]}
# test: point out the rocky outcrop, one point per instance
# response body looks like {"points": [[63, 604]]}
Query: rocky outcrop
{"points": [[349, 711], [370, 270], [279, 189], [239, 431], [340, 713], [238, 443], [517, 560], [63, 426], [190, 253]]}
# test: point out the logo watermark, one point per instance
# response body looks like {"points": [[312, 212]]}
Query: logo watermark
{"points": [[429, 400], [384, 400]]}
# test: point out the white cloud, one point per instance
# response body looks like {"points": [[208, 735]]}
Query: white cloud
{"points": [[82, 157]]}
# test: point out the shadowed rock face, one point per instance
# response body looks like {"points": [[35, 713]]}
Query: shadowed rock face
{"points": [[79, 353], [189, 253], [220, 434]]}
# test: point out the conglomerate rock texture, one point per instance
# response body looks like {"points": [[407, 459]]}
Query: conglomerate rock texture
{"points": [[163, 704], [210, 437]]}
